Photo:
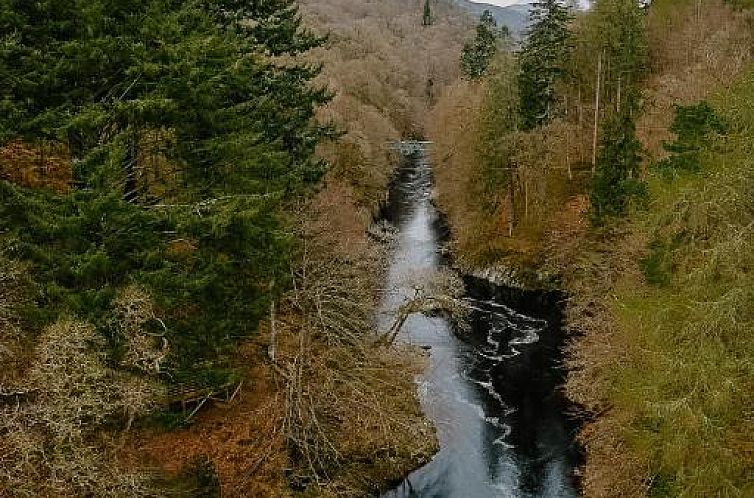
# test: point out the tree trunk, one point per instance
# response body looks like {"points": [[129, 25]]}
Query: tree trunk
{"points": [[579, 138], [568, 155], [130, 160], [619, 89], [272, 349], [511, 207], [596, 113]]}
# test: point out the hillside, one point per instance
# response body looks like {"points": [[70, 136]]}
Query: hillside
{"points": [[386, 71], [659, 295], [515, 17], [194, 267], [187, 284]]}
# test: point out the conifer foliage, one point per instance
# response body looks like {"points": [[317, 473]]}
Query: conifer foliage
{"points": [[543, 61], [188, 135], [618, 163], [427, 15], [477, 54], [617, 177]]}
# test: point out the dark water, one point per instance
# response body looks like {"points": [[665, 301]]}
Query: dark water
{"points": [[491, 392]]}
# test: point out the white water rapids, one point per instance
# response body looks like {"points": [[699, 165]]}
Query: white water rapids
{"points": [[491, 395]]}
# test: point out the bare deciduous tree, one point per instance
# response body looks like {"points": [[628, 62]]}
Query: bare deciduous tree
{"points": [[53, 443]]}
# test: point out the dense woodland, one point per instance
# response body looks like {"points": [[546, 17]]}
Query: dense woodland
{"points": [[151, 239], [186, 192], [189, 262], [612, 157]]}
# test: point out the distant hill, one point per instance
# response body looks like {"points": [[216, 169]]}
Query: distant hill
{"points": [[514, 16]]}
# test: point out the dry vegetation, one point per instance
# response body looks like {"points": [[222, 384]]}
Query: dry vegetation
{"points": [[53, 422], [664, 368], [36, 165], [352, 421], [473, 161], [692, 54], [694, 49], [387, 71], [668, 367], [324, 408]]}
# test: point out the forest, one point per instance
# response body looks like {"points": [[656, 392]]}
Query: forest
{"points": [[193, 246], [612, 157]]}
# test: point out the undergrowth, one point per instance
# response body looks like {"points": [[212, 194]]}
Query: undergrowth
{"points": [[684, 383]]}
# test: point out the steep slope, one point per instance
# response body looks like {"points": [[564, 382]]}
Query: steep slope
{"points": [[386, 70], [314, 420], [660, 301], [305, 401], [515, 17], [665, 302]]}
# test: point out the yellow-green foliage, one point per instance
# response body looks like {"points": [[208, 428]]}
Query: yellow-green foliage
{"points": [[744, 4], [688, 380]]}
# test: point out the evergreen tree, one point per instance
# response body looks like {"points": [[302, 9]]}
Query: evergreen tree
{"points": [[693, 126], [621, 39], [542, 61], [197, 83], [69, 64], [478, 53], [617, 167], [616, 179], [427, 17], [276, 28]]}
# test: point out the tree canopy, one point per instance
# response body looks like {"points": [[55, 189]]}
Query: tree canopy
{"points": [[477, 54], [188, 132], [542, 61]]}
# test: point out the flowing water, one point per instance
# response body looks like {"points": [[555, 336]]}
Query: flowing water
{"points": [[491, 392]]}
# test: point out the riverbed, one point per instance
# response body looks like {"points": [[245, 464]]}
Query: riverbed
{"points": [[491, 389]]}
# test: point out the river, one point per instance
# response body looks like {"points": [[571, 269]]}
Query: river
{"points": [[492, 392]]}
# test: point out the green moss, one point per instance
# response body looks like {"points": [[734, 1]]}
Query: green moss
{"points": [[662, 486]]}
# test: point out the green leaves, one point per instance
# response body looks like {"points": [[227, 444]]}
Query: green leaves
{"points": [[542, 62], [477, 54], [188, 135]]}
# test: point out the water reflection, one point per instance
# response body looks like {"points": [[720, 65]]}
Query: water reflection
{"points": [[491, 393]]}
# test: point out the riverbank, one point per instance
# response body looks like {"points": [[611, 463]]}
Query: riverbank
{"points": [[659, 304], [664, 305], [324, 410], [491, 386]]}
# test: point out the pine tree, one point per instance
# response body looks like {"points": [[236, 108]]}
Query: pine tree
{"points": [[199, 84], [623, 37], [427, 17], [618, 165], [619, 35], [478, 53], [693, 126], [276, 26], [543, 61]]}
